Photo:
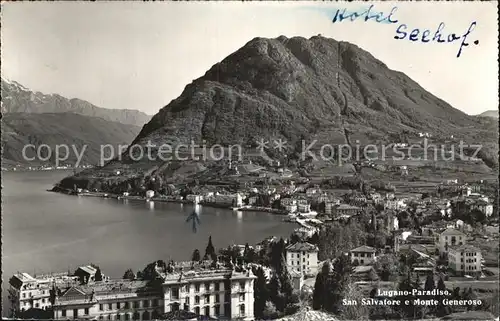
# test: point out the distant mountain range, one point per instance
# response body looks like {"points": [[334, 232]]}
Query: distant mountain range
{"points": [[34, 118], [299, 89], [490, 113], [18, 99], [73, 130]]}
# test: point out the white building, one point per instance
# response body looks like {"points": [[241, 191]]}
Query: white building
{"points": [[150, 194], [312, 191], [303, 206], [395, 204], [449, 238], [195, 199], [27, 292], [465, 259], [252, 200], [365, 255], [289, 204], [330, 206], [483, 206], [215, 293], [234, 200], [302, 257]]}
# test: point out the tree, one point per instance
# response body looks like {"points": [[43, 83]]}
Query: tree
{"points": [[286, 282], [196, 256], [210, 249], [261, 292], [214, 264], [98, 275], [270, 312], [441, 309], [277, 252], [354, 312], [339, 283], [275, 295], [429, 282], [320, 287], [387, 267], [249, 255], [129, 275]]}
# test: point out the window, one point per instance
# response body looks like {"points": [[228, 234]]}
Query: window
{"points": [[217, 298], [187, 300], [109, 316], [197, 287], [101, 307], [37, 305], [217, 286], [24, 295], [136, 316], [197, 310], [242, 310], [75, 313], [175, 307], [145, 303], [207, 299], [127, 305], [242, 286], [63, 313], [303, 259], [242, 297], [110, 306], [101, 317], [145, 315], [175, 293], [197, 299], [86, 311], [136, 304], [207, 286], [207, 311], [217, 310]]}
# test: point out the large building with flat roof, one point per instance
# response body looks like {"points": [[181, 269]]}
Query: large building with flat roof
{"points": [[33, 292], [187, 288]]}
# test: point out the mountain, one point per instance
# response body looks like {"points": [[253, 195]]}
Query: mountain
{"points": [[302, 89], [73, 130], [18, 99], [489, 113]]}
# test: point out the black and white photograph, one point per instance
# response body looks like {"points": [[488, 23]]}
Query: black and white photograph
{"points": [[249, 160]]}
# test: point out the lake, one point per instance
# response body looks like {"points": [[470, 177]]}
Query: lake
{"points": [[47, 232]]}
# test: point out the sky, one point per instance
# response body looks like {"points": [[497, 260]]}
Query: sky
{"points": [[141, 55]]}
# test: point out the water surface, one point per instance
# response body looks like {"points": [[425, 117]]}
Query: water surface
{"points": [[49, 232]]}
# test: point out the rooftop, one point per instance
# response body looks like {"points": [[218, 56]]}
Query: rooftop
{"points": [[466, 248], [364, 248], [302, 246], [452, 231], [88, 269], [347, 207], [362, 269]]}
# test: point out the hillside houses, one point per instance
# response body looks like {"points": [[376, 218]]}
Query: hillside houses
{"points": [[450, 238], [363, 255]]}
